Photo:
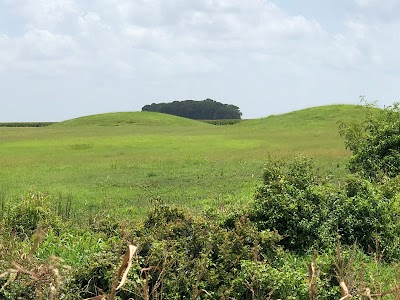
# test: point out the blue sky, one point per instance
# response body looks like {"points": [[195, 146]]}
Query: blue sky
{"points": [[62, 59]]}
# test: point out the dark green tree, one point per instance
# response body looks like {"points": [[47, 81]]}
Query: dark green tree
{"points": [[198, 110]]}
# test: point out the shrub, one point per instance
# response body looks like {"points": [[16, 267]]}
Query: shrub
{"points": [[28, 277], [26, 124], [258, 280], [309, 212], [289, 201], [374, 142], [366, 216], [95, 276], [32, 210], [182, 256]]}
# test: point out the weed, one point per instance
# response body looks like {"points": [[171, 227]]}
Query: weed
{"points": [[30, 276], [64, 206], [2, 204]]}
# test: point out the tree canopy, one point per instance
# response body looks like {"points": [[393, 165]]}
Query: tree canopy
{"points": [[208, 109]]}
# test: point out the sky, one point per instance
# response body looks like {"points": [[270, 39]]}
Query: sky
{"points": [[62, 59]]}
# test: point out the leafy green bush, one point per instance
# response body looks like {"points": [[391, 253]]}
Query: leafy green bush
{"points": [[309, 212], [184, 256], [95, 276], [374, 142], [258, 280], [291, 202]]}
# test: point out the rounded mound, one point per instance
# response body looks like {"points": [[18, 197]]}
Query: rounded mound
{"points": [[314, 115], [130, 118]]}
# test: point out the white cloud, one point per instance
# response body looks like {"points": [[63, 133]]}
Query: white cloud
{"points": [[188, 34], [40, 45], [38, 52], [181, 36], [371, 44]]}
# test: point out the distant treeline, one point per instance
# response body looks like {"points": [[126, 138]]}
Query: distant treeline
{"points": [[198, 110], [26, 124]]}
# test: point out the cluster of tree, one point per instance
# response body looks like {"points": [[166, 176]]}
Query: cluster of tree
{"points": [[198, 110]]}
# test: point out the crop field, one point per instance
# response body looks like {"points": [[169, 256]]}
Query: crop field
{"points": [[120, 162]]}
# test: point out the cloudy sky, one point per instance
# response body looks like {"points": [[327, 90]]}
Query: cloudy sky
{"points": [[61, 59]]}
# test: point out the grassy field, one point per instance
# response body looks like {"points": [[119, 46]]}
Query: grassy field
{"points": [[119, 162], [74, 194]]}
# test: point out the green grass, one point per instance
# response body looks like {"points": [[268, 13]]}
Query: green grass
{"points": [[119, 162], [130, 118]]}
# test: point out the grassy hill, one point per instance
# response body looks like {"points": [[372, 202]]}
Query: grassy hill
{"points": [[310, 117], [130, 118], [304, 117]]}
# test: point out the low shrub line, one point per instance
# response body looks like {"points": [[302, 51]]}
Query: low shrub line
{"points": [[26, 124]]}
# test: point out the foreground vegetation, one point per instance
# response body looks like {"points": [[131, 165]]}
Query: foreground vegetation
{"points": [[301, 228]]}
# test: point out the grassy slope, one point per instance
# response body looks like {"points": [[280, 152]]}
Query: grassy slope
{"points": [[309, 117], [130, 118], [110, 167]]}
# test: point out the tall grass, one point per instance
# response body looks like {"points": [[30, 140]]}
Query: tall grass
{"points": [[2, 204]]}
